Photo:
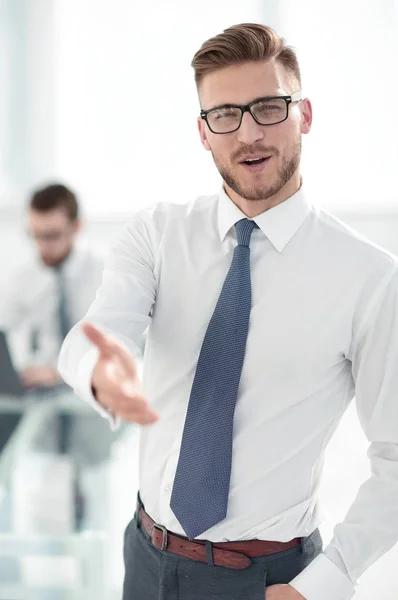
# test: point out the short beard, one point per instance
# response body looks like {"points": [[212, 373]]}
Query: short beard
{"points": [[289, 166], [56, 262]]}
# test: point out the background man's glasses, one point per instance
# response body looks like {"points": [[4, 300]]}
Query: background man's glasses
{"points": [[265, 111], [50, 237]]}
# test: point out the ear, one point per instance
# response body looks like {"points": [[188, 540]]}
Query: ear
{"points": [[77, 226], [203, 130], [306, 116]]}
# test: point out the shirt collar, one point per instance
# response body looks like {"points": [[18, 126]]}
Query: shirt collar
{"points": [[279, 223]]}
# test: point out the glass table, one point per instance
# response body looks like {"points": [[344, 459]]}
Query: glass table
{"points": [[47, 567]]}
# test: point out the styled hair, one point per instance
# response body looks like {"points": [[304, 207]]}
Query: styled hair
{"points": [[55, 196], [242, 43]]}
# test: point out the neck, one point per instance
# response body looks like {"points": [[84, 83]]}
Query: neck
{"points": [[252, 208]]}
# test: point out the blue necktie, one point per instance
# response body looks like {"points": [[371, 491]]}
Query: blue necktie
{"points": [[200, 493]]}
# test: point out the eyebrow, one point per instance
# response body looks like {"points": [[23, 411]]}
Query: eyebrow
{"points": [[251, 102]]}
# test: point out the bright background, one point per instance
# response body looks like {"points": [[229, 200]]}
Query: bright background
{"points": [[101, 96]]}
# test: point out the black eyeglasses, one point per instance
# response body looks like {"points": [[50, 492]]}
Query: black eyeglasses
{"points": [[50, 237], [265, 111]]}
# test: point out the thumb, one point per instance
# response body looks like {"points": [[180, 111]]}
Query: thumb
{"points": [[110, 347], [98, 337]]}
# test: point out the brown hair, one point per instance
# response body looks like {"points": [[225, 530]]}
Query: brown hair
{"points": [[242, 43], [55, 196]]}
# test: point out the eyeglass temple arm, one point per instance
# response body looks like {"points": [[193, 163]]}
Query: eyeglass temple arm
{"points": [[297, 96]]}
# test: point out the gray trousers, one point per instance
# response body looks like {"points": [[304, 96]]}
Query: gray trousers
{"points": [[152, 574]]}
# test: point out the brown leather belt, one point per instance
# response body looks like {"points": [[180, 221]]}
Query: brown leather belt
{"points": [[234, 555]]}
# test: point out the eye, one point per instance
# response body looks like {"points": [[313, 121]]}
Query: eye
{"points": [[225, 113], [269, 111], [269, 107]]}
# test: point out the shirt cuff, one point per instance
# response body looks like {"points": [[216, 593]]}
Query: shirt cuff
{"points": [[323, 580], [84, 390]]}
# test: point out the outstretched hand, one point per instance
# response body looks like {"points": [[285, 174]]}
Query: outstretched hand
{"points": [[115, 381]]}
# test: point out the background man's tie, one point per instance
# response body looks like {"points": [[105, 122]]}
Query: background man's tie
{"points": [[64, 326], [63, 316], [199, 498]]}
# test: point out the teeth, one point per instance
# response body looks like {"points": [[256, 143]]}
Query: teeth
{"points": [[253, 159]]}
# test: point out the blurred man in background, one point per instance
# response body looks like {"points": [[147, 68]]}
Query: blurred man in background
{"points": [[44, 299], [49, 294]]}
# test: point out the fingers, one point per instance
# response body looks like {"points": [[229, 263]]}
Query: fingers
{"points": [[135, 408], [115, 380], [26, 372], [31, 376], [130, 404], [147, 418], [110, 347], [27, 377]]}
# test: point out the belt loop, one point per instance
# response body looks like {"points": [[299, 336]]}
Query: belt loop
{"points": [[209, 553], [302, 539]]}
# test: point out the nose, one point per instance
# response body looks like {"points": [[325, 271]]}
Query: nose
{"points": [[250, 131]]}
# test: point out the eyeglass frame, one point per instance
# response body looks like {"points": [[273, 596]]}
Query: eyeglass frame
{"points": [[296, 97], [52, 237]]}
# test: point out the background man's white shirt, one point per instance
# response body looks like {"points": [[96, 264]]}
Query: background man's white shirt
{"points": [[29, 308]]}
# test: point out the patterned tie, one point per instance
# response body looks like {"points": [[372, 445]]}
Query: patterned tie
{"points": [[199, 498]]}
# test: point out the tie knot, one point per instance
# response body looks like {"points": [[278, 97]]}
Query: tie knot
{"points": [[244, 229]]}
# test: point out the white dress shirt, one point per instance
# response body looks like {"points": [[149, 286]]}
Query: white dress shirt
{"points": [[31, 299], [323, 326]]}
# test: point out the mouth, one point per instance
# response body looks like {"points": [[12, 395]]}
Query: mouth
{"points": [[255, 163]]}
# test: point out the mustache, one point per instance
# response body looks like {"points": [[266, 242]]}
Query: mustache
{"points": [[253, 149]]}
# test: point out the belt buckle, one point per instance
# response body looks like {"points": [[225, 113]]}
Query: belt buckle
{"points": [[164, 531]]}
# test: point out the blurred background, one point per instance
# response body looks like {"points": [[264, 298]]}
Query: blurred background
{"points": [[100, 96]]}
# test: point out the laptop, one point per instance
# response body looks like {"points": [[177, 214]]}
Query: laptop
{"points": [[10, 382], [11, 385]]}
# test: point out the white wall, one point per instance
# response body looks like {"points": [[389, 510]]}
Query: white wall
{"points": [[27, 100], [102, 96], [127, 102], [127, 105], [348, 52], [76, 77]]}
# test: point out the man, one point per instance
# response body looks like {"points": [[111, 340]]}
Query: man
{"points": [[44, 299], [51, 292], [265, 315]]}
